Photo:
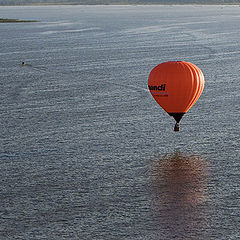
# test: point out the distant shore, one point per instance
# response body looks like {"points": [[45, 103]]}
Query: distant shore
{"points": [[8, 20], [102, 3]]}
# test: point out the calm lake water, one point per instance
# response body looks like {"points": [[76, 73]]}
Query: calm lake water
{"points": [[85, 151]]}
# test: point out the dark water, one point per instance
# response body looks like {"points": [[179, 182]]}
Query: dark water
{"points": [[86, 153]]}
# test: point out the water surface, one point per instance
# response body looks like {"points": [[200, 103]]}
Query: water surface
{"points": [[83, 144]]}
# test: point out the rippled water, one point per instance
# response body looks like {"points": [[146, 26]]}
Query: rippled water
{"points": [[86, 153]]}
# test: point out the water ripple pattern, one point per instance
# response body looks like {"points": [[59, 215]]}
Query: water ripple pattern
{"points": [[86, 153]]}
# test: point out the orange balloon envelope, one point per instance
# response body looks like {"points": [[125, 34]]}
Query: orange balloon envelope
{"points": [[176, 86]]}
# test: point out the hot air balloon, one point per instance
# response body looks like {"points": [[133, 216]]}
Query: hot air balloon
{"points": [[176, 86]]}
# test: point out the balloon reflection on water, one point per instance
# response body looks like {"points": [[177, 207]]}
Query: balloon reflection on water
{"points": [[179, 185]]}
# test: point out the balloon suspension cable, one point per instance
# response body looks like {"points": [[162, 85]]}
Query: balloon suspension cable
{"points": [[176, 127]]}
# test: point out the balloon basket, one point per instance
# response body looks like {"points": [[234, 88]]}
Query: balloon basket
{"points": [[176, 127]]}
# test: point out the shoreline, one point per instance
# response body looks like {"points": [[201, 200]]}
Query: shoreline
{"points": [[122, 4], [10, 20]]}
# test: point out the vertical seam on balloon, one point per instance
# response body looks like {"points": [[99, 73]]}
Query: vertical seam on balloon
{"points": [[196, 81], [186, 66], [199, 86], [201, 82]]}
